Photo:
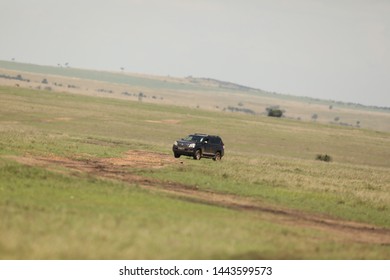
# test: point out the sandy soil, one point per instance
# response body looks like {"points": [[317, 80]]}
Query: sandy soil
{"points": [[121, 169]]}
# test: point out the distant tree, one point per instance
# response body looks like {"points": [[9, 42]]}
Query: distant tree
{"points": [[314, 117], [330, 107], [358, 123], [274, 111], [140, 96], [336, 119], [44, 81]]}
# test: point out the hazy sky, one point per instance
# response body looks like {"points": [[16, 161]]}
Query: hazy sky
{"points": [[329, 49]]}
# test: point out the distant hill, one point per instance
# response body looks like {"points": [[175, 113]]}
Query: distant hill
{"points": [[198, 92]]}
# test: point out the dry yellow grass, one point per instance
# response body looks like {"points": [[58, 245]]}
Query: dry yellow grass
{"points": [[205, 94]]}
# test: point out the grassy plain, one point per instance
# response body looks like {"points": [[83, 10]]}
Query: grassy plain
{"points": [[203, 93], [56, 214]]}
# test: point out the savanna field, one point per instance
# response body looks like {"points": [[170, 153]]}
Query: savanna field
{"points": [[87, 177]]}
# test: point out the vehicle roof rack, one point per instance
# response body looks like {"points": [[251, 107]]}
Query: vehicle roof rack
{"points": [[203, 134]]}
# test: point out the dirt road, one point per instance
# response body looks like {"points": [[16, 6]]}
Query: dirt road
{"points": [[120, 169]]}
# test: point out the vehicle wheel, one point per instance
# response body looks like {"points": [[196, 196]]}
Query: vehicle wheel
{"points": [[217, 156], [197, 155], [176, 155]]}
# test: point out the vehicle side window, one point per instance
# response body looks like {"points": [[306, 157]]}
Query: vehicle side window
{"points": [[215, 140]]}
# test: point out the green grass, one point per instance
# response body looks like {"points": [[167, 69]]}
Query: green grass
{"points": [[47, 215], [51, 215], [341, 190]]}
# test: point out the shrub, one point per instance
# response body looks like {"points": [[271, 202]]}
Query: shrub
{"points": [[242, 110], [325, 157]]}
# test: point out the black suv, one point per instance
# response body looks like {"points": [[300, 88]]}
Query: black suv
{"points": [[198, 146]]}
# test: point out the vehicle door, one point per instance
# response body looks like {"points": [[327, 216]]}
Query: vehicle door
{"points": [[207, 149], [215, 143]]}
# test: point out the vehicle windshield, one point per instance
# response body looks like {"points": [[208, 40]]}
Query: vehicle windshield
{"points": [[193, 138]]}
